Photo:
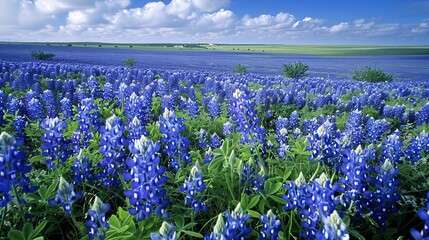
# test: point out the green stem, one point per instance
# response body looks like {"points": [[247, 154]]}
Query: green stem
{"points": [[314, 174], [3, 218], [19, 202]]}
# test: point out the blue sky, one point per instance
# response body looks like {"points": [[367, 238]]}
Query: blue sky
{"points": [[382, 22]]}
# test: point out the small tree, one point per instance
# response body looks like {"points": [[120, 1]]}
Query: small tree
{"points": [[296, 70], [239, 68], [369, 74], [130, 62], [39, 55]]}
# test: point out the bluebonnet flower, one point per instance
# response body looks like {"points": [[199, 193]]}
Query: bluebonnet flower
{"points": [[50, 104], [66, 108], [34, 109], [112, 146], [314, 201], [271, 226], [54, 145], [82, 169], [192, 108], [385, 195], [138, 106], [135, 129], [2, 107], [423, 215], [94, 87], [233, 228], [203, 142], [214, 108], [19, 124], [108, 93], [296, 133], [392, 148], [97, 224], [167, 102], [375, 129], [356, 172], [88, 119], [14, 105], [208, 156], [294, 120], [282, 125], [418, 144], [228, 128], [354, 129], [325, 145], [333, 228], [176, 146], [422, 116], [193, 185], [166, 232], [13, 169], [66, 196], [244, 115], [216, 142], [147, 179], [252, 179]]}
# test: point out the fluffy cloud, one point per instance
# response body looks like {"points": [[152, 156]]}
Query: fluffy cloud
{"points": [[339, 27], [179, 21]]}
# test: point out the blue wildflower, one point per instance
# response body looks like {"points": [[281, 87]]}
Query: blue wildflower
{"points": [[166, 232], [193, 185], [66, 196], [271, 226], [97, 224]]}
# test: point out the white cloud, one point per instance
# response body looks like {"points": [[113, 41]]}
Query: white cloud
{"points": [[179, 20], [222, 19], [339, 27]]}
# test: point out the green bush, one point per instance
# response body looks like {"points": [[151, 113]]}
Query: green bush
{"points": [[369, 74], [130, 62], [296, 70], [39, 55], [239, 68]]}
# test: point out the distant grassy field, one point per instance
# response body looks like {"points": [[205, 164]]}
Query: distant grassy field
{"points": [[324, 50]]}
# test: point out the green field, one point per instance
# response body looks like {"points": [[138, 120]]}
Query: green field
{"points": [[325, 50]]}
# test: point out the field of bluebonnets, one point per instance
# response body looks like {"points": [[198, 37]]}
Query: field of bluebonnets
{"points": [[131, 153]]}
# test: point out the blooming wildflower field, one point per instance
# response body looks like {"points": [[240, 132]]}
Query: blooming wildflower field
{"points": [[97, 152]]}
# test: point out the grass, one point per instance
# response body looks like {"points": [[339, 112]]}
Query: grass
{"points": [[324, 50]]}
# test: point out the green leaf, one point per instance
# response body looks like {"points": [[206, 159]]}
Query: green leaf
{"points": [[27, 230], [39, 228], [39, 238], [179, 220], [346, 220], [355, 234], [193, 234], [16, 235], [114, 222], [277, 199], [253, 214], [253, 202], [275, 188]]}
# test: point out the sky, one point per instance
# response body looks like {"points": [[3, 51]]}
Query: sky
{"points": [[371, 22]]}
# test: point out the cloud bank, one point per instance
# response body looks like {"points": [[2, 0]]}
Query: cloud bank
{"points": [[185, 21]]}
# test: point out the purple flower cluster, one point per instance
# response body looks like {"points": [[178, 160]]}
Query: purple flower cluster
{"points": [[13, 169], [66, 196], [271, 226], [233, 228], [112, 146], [424, 216], [193, 185], [97, 224], [147, 179], [175, 145], [55, 147]]}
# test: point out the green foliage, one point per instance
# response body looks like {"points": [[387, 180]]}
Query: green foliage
{"points": [[296, 70], [130, 62], [27, 232], [369, 74], [239, 68], [40, 55]]}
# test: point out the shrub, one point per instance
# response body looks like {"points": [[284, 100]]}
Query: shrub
{"points": [[369, 74], [39, 55], [296, 70], [239, 68], [130, 62]]}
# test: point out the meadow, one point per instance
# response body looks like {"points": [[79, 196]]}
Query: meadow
{"points": [[92, 149]]}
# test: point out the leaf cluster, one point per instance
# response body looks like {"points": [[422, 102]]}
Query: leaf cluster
{"points": [[40, 55], [369, 74], [296, 70]]}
